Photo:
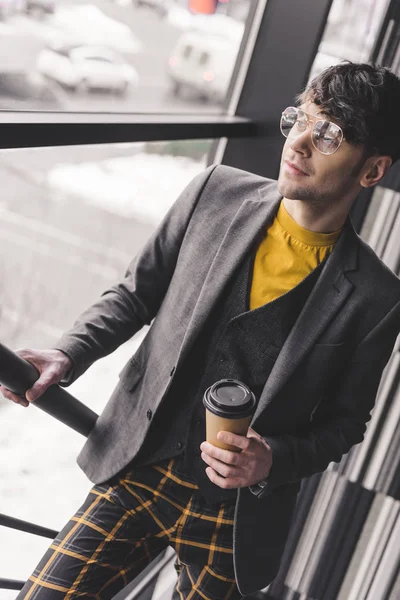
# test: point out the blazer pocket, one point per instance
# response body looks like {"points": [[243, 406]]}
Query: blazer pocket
{"points": [[326, 348], [130, 375], [336, 345], [336, 354]]}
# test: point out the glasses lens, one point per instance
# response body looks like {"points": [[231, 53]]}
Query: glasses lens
{"points": [[326, 136], [288, 119]]}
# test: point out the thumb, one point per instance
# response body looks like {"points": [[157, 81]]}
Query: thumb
{"points": [[38, 388]]}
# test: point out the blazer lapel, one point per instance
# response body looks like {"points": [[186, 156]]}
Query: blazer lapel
{"points": [[327, 298], [248, 222]]}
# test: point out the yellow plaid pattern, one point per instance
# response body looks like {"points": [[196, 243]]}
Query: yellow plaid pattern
{"points": [[124, 524]]}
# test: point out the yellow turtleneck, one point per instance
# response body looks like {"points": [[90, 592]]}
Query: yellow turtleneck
{"points": [[286, 255]]}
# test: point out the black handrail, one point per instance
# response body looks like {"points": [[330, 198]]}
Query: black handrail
{"points": [[27, 527], [15, 584], [11, 584], [18, 375]]}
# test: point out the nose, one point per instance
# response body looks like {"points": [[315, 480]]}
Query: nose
{"points": [[301, 142]]}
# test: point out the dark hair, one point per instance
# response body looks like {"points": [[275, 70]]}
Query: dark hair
{"points": [[364, 100]]}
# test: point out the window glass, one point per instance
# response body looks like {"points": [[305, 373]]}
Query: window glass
{"points": [[71, 220], [155, 43], [350, 32], [381, 226]]}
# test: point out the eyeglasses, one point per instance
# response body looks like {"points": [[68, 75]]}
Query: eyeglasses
{"points": [[326, 136]]}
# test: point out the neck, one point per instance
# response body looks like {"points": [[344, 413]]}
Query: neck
{"points": [[314, 217]]}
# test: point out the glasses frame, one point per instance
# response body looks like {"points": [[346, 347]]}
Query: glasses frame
{"points": [[313, 120]]}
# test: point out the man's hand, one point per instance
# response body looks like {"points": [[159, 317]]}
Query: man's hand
{"points": [[238, 469], [52, 366]]}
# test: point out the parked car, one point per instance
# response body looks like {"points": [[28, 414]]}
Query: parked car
{"points": [[86, 24], [203, 64], [41, 7], [29, 90], [159, 6], [84, 68]]}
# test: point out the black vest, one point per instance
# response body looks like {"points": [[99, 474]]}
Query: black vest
{"points": [[235, 343]]}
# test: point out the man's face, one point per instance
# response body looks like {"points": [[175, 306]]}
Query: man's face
{"points": [[319, 179]]}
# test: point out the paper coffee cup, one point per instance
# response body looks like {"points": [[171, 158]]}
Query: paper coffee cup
{"points": [[230, 405]]}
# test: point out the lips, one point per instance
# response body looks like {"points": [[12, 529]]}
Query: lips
{"points": [[294, 168]]}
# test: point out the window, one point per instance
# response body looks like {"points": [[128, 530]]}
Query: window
{"points": [[350, 32], [381, 227], [71, 221], [150, 41]]}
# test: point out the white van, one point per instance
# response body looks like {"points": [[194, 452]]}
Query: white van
{"points": [[203, 63]]}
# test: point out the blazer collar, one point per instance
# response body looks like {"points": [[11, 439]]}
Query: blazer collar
{"points": [[247, 224]]}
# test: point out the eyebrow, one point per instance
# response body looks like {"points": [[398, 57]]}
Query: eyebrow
{"points": [[322, 116]]}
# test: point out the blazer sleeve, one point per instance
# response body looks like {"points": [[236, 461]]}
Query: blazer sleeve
{"points": [[126, 307], [340, 419]]}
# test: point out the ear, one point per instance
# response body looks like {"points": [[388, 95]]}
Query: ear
{"points": [[374, 169]]}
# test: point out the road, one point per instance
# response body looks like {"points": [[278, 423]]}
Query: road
{"points": [[58, 253], [156, 36]]}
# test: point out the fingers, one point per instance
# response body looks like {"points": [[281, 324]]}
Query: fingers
{"points": [[40, 386], [13, 397], [220, 467], [232, 439], [225, 456], [51, 365], [222, 482]]}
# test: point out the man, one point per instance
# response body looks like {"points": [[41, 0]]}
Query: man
{"points": [[249, 279]]}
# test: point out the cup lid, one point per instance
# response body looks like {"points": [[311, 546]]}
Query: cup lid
{"points": [[229, 398]]}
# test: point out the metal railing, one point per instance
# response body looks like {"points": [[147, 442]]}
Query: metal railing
{"points": [[28, 527], [18, 375]]}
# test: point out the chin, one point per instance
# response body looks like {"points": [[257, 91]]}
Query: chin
{"points": [[291, 191], [286, 189]]}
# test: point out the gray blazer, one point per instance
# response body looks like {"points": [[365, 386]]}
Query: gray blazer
{"points": [[318, 398]]}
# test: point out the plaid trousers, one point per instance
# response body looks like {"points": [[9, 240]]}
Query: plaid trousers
{"points": [[124, 524]]}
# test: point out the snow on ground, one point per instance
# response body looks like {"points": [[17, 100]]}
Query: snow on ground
{"points": [[87, 24], [39, 478], [120, 184]]}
